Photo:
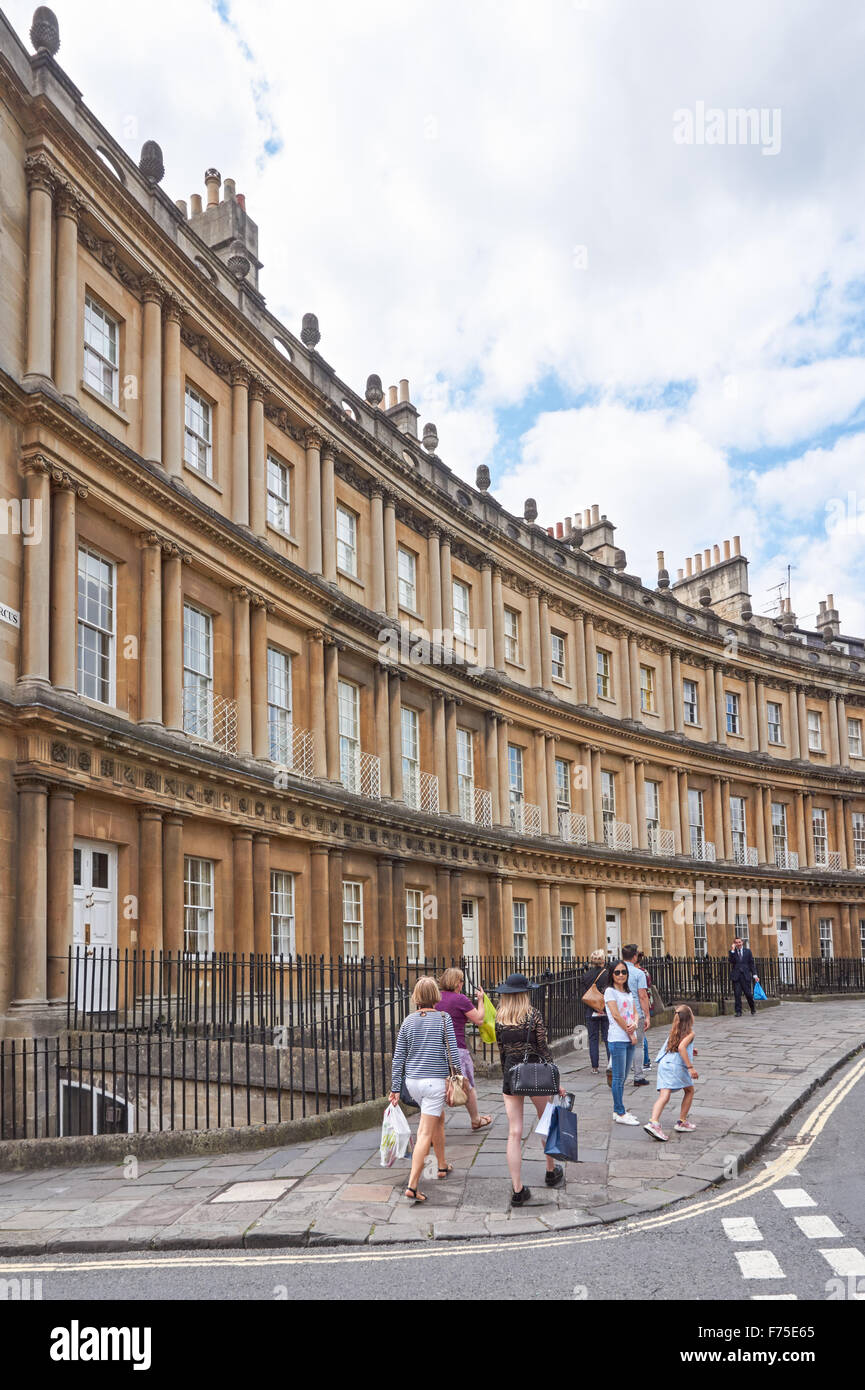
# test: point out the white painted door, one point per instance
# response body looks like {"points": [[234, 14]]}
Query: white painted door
{"points": [[95, 929], [614, 932], [470, 927], [785, 949]]}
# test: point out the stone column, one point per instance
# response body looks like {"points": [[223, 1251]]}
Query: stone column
{"points": [[673, 808], [455, 947], [711, 706], [36, 585], [634, 665], [391, 588], [398, 920], [546, 644], [258, 662], [762, 722], [597, 798], [443, 905], [31, 936], [793, 725], [602, 917], [64, 586], [808, 810], [40, 186], [328, 511], [641, 829], [718, 818], [753, 722], [846, 930], [378, 938], [807, 946], [721, 702], [447, 586], [377, 595], [848, 832], [257, 460], [507, 917], [841, 830], [397, 790], [534, 652], [544, 945], [491, 763], [331, 708], [440, 746], [634, 927], [242, 684], [313, 502], [150, 654], [766, 796], [593, 940], [802, 717], [434, 565], [591, 663], [759, 823], [728, 819], [626, 703], [801, 835], [150, 876], [498, 620], [334, 893], [66, 327], [671, 702], [172, 389], [504, 781], [172, 637], [240, 443], [587, 805], [172, 884], [684, 812], [318, 716], [244, 926], [556, 919], [153, 293], [59, 896], [319, 899], [645, 921], [495, 929], [550, 750], [843, 736], [485, 646], [580, 659], [540, 761], [382, 725], [262, 936], [453, 799], [834, 739], [631, 799]]}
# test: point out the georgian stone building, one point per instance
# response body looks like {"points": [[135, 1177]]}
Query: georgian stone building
{"points": [[272, 678]]}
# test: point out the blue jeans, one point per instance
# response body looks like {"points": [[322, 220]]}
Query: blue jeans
{"points": [[621, 1054], [646, 1061], [597, 1028]]}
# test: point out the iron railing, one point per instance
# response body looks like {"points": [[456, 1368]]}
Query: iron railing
{"points": [[293, 749], [573, 827], [211, 718], [662, 842]]}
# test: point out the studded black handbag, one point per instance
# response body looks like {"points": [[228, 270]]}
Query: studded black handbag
{"points": [[533, 1078]]}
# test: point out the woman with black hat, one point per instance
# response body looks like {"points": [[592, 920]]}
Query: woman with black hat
{"points": [[521, 1036]]}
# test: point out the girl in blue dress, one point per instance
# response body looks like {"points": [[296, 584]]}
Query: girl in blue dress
{"points": [[676, 1073]]}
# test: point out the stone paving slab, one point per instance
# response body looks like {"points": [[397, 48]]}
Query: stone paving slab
{"points": [[335, 1192]]}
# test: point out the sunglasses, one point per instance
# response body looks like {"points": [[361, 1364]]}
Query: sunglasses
{"points": [[620, 972]]}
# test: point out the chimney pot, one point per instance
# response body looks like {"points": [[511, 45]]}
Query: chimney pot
{"points": [[560, 530], [550, 532], [707, 557], [403, 390], [726, 550], [568, 521], [681, 574], [180, 204], [660, 559], [212, 181], [689, 567], [391, 397], [195, 203], [587, 518], [831, 603], [699, 563], [716, 555], [241, 201], [737, 545], [229, 189], [596, 514]]}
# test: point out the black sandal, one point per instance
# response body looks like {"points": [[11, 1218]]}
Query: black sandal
{"points": [[443, 1172], [411, 1194]]}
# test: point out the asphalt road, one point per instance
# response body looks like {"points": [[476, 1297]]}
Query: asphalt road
{"points": [[791, 1226]]}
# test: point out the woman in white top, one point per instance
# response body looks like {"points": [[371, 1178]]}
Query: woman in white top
{"points": [[621, 1036]]}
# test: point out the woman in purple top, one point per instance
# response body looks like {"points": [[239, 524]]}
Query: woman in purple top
{"points": [[461, 1009]]}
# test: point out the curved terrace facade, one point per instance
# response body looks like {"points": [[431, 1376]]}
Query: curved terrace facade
{"points": [[275, 679]]}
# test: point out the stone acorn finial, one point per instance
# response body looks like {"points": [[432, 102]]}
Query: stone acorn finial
{"points": [[747, 613], [663, 572], [530, 510], [310, 335], [151, 163], [45, 31], [575, 537], [374, 390], [482, 478], [238, 262], [705, 597], [620, 561], [430, 438], [788, 620]]}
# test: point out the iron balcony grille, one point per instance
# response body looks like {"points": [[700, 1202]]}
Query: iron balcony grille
{"points": [[421, 792], [661, 842], [617, 834], [294, 750], [210, 718], [573, 828]]}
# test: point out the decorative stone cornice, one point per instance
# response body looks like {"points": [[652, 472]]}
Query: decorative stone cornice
{"points": [[105, 251]]}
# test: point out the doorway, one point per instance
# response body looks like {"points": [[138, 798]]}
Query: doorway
{"points": [[470, 926], [614, 932], [786, 968], [95, 926]]}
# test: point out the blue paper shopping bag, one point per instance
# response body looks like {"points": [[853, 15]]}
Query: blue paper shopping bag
{"points": [[562, 1138], [759, 992]]}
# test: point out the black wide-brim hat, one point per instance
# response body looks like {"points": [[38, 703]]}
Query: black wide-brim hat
{"points": [[516, 984]]}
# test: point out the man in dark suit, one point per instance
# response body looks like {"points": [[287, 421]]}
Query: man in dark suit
{"points": [[742, 975]]}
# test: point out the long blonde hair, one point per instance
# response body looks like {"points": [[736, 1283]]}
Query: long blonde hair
{"points": [[513, 1008]]}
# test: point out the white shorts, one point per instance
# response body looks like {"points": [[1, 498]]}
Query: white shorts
{"points": [[429, 1092]]}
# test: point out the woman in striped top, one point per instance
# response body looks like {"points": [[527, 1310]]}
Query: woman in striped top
{"points": [[421, 1055]]}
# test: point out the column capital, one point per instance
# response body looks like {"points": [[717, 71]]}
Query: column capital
{"points": [[312, 438], [315, 634], [453, 699], [150, 813], [493, 716], [448, 537], [174, 308], [328, 448], [242, 833], [259, 387], [390, 496], [153, 289], [259, 601], [434, 529], [260, 837], [32, 782], [173, 551], [38, 463], [396, 674], [41, 172], [148, 540], [61, 791], [241, 594], [69, 200], [550, 737], [61, 481], [240, 373]]}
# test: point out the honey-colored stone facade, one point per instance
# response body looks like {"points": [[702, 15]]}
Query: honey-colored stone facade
{"points": [[191, 757]]}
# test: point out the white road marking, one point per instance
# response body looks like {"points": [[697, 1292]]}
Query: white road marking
{"points": [[741, 1228], [759, 1264], [818, 1227], [845, 1262], [774, 1297], [794, 1197]]}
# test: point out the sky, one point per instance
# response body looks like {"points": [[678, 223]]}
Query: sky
{"points": [[598, 282]]}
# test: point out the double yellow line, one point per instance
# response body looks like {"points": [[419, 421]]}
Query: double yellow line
{"points": [[775, 1171]]}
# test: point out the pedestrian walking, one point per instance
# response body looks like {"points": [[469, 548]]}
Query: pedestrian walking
{"points": [[743, 975], [597, 976], [621, 1037], [642, 963], [639, 987], [421, 1058], [522, 1036], [676, 1072], [462, 1011]]}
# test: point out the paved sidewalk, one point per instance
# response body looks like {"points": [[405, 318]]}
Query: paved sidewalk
{"points": [[334, 1191]]}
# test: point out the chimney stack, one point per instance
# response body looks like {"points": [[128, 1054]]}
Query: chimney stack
{"points": [[212, 182]]}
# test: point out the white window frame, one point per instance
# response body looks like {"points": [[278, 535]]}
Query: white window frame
{"points": [[820, 831], [563, 784], [742, 928], [775, 726], [101, 351], [690, 704], [352, 918], [283, 932], [198, 917], [696, 821], [652, 806], [862, 938], [105, 635], [739, 827], [279, 705], [734, 720], [520, 922], [827, 938], [854, 737], [566, 930], [346, 541], [701, 940], [512, 636], [414, 943], [608, 801], [815, 731], [406, 563], [604, 678], [656, 933], [858, 820], [516, 782], [278, 494], [647, 690], [462, 609], [409, 729], [199, 680], [466, 773], [348, 715], [558, 654], [197, 441], [779, 828]]}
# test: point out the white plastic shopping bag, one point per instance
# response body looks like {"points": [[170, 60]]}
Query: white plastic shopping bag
{"points": [[543, 1125], [395, 1136]]}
